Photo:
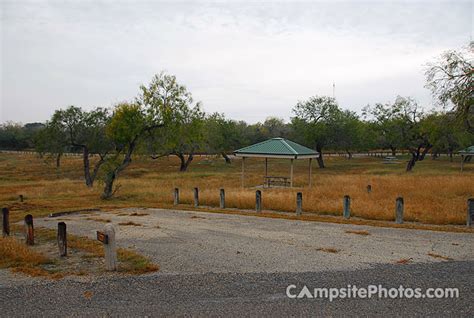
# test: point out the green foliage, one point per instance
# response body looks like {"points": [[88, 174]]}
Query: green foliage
{"points": [[450, 80]]}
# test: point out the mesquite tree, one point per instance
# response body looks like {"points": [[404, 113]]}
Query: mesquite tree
{"points": [[315, 120], [450, 80], [82, 131]]}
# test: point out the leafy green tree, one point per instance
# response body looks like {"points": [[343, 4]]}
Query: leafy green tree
{"points": [[13, 136], [83, 131], [385, 121], [348, 132], [222, 135], [182, 137], [450, 80], [315, 122], [51, 140]]}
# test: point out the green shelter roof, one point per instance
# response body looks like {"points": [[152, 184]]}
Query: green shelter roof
{"points": [[277, 147], [468, 150]]}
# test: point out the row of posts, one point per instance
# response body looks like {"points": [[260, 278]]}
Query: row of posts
{"points": [[399, 204], [109, 246]]}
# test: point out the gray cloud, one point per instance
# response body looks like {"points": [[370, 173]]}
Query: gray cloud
{"points": [[248, 60]]}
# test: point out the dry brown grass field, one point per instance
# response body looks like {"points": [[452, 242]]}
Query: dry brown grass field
{"points": [[435, 193]]}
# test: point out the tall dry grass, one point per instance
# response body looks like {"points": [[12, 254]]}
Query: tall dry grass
{"points": [[435, 193]]}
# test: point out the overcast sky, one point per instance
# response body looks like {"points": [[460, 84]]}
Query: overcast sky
{"points": [[249, 60]]}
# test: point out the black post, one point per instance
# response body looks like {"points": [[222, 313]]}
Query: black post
{"points": [[6, 222], [62, 239]]}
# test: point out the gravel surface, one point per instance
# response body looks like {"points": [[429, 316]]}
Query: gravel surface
{"points": [[229, 265], [199, 242]]}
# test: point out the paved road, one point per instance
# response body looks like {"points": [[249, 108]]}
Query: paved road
{"points": [[224, 265], [251, 294]]}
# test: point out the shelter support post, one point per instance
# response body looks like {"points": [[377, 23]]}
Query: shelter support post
{"points": [[291, 174], [266, 167], [462, 163], [243, 172], [310, 167]]}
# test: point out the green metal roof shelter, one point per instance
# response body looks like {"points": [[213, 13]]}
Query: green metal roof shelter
{"points": [[469, 151], [276, 148]]}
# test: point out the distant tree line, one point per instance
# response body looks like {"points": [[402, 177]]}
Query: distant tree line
{"points": [[164, 120]]}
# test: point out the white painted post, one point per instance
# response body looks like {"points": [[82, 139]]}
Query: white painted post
{"points": [[110, 249]]}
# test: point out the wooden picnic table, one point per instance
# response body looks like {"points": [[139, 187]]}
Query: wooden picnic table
{"points": [[276, 181]]}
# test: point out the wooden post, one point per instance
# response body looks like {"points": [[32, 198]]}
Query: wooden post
{"points": [[470, 211], [196, 197], [29, 230], [310, 168], [299, 203], [258, 201], [291, 174], [462, 163], [347, 207], [243, 172], [222, 199], [399, 210], [62, 239], [369, 188], [176, 196], [5, 222], [110, 249]]}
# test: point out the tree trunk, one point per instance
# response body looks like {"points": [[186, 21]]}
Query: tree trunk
{"points": [[86, 163], [184, 162], [320, 158], [450, 151], [112, 175], [226, 158], [394, 151], [58, 160], [349, 154], [411, 162], [424, 152]]}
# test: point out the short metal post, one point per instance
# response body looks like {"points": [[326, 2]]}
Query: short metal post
{"points": [[470, 211], [258, 201], [222, 199], [399, 210], [347, 207], [299, 203], [196, 197], [176, 196]]}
